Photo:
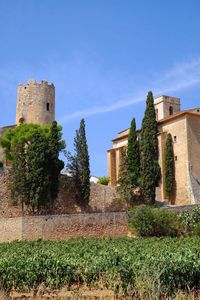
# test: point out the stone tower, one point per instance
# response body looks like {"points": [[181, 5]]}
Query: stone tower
{"points": [[35, 103], [166, 106]]}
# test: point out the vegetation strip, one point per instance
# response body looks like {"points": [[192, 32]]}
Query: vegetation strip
{"points": [[168, 263]]}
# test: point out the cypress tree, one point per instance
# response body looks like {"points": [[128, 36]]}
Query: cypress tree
{"points": [[124, 187], [133, 155], [169, 167], [150, 170], [55, 145], [79, 167], [37, 170]]}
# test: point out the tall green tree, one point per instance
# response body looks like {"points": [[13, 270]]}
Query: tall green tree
{"points": [[124, 184], [18, 184], [37, 171], [150, 170], [169, 167], [55, 165], [78, 166], [33, 151], [133, 155]]}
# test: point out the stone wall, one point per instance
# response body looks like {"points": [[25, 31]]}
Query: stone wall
{"points": [[193, 125], [182, 208], [7, 209], [178, 130], [54, 227], [102, 199]]}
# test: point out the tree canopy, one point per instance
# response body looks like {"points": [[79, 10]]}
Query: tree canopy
{"points": [[169, 167], [150, 170], [133, 155], [33, 151], [79, 167]]}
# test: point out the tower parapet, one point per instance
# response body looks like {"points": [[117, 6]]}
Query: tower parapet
{"points": [[35, 103]]}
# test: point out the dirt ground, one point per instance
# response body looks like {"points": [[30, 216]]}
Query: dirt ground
{"points": [[63, 294]]}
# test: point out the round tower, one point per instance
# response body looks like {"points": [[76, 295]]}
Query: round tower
{"points": [[35, 103]]}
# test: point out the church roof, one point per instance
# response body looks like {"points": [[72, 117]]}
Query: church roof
{"points": [[178, 115], [124, 133]]}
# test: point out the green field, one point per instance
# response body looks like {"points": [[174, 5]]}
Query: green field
{"points": [[168, 263]]}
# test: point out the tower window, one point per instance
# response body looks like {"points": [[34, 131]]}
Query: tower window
{"points": [[170, 110], [47, 106], [156, 114], [175, 139], [175, 158]]}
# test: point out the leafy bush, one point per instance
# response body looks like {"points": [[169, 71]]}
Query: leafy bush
{"points": [[190, 219], [196, 230], [147, 221], [103, 180]]}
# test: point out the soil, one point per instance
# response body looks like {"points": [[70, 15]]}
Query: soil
{"points": [[63, 294]]}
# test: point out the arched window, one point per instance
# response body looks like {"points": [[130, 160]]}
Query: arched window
{"points": [[170, 110], [21, 120]]}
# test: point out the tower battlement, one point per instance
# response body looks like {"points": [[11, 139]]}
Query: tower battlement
{"points": [[35, 83], [35, 103]]}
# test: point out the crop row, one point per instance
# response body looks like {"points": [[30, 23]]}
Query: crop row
{"points": [[169, 263]]}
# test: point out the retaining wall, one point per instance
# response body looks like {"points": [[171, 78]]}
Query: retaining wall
{"points": [[102, 199], [54, 227]]}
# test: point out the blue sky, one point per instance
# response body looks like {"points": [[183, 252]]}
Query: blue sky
{"points": [[103, 56]]}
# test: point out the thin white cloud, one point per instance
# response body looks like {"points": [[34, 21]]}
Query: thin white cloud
{"points": [[181, 76]]}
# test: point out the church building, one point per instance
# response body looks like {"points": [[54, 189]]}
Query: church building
{"points": [[184, 126]]}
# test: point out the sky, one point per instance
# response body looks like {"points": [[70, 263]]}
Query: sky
{"points": [[103, 56]]}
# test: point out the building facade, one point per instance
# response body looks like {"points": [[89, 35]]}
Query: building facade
{"points": [[184, 127]]}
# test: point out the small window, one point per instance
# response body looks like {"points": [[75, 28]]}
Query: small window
{"points": [[156, 114], [175, 139], [175, 158], [47, 106], [21, 120], [170, 110], [197, 110]]}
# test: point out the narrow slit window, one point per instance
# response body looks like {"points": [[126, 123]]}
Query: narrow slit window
{"points": [[175, 158], [47, 106], [175, 139], [156, 114]]}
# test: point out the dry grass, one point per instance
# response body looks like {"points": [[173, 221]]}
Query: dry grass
{"points": [[139, 293]]}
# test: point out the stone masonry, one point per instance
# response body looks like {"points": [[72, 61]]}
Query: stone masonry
{"points": [[58, 227], [102, 199], [35, 103]]}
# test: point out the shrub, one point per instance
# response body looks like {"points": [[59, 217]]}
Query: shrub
{"points": [[190, 219], [103, 180], [146, 221], [196, 229]]}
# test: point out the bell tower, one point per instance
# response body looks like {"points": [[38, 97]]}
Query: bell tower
{"points": [[35, 103], [166, 106]]}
